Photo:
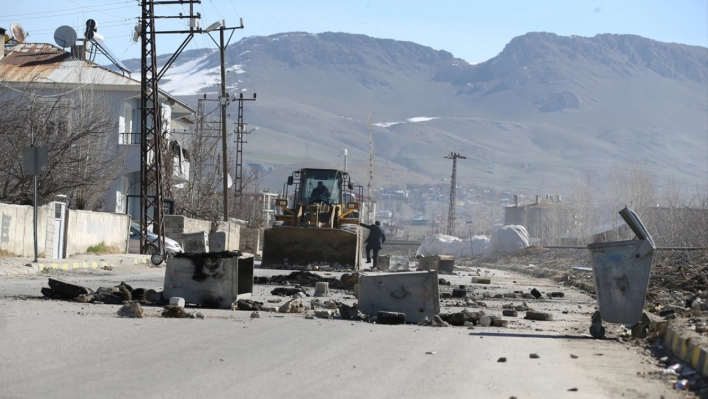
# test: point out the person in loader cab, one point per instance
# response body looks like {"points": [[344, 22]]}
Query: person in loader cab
{"points": [[320, 193], [374, 241]]}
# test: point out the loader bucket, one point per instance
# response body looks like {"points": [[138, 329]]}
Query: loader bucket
{"points": [[304, 245]]}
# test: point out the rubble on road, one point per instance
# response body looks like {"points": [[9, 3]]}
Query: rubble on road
{"points": [[287, 291], [64, 289], [174, 311], [246, 304], [540, 316], [390, 318], [302, 279], [292, 306], [132, 310]]}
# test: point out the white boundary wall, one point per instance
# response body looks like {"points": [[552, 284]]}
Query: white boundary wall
{"points": [[83, 229]]}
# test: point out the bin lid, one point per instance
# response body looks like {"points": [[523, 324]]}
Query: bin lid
{"points": [[636, 225]]}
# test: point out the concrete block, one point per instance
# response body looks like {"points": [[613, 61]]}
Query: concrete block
{"points": [[196, 242], [209, 280], [217, 241], [383, 263], [177, 301], [322, 289], [443, 264], [413, 293], [541, 316]]}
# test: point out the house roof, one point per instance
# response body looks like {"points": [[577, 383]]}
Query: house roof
{"points": [[48, 65]]}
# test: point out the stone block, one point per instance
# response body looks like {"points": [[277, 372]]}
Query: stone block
{"points": [[195, 243], [217, 241], [413, 293], [443, 264]]}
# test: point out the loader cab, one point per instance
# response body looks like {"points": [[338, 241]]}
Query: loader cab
{"points": [[320, 185]]}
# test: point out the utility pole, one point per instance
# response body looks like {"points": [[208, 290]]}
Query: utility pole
{"points": [[370, 208], [223, 102], [453, 185], [240, 131], [152, 207], [344, 152]]}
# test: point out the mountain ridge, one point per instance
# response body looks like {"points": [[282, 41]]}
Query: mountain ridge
{"points": [[546, 111]]}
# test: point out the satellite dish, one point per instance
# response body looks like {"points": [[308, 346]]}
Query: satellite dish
{"points": [[65, 36], [18, 32]]}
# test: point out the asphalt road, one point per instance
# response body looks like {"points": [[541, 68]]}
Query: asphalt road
{"points": [[65, 349]]}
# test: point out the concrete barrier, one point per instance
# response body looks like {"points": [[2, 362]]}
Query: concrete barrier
{"points": [[176, 225], [86, 228], [82, 230], [17, 229], [250, 240]]}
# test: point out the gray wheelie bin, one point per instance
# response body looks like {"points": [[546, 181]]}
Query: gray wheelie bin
{"points": [[621, 271]]}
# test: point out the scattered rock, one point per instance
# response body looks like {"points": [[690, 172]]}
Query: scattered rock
{"points": [[485, 321], [196, 315], [459, 318], [286, 291], [573, 356], [138, 294], [153, 296], [350, 312], [536, 293], [459, 292], [111, 295], [325, 313], [390, 318], [292, 306], [499, 322], [510, 313], [172, 311], [247, 304], [255, 315], [131, 309], [534, 356], [501, 360], [555, 294], [540, 316], [438, 322], [84, 298], [66, 289]]}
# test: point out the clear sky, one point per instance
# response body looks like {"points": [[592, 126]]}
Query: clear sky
{"points": [[470, 29]]}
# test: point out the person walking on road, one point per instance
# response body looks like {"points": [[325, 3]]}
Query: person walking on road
{"points": [[374, 241]]}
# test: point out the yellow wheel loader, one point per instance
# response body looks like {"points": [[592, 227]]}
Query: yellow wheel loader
{"points": [[317, 223]]}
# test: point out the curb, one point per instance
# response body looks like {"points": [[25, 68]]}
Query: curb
{"points": [[71, 266], [687, 351], [80, 265]]}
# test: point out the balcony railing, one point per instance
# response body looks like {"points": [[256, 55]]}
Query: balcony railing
{"points": [[130, 138]]}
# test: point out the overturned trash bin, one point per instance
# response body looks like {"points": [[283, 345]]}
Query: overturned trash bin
{"points": [[621, 271], [210, 279]]}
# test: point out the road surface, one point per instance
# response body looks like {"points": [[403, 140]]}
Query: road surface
{"points": [[64, 349]]}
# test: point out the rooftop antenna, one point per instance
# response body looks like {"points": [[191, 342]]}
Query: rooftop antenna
{"points": [[65, 36], [18, 32]]}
